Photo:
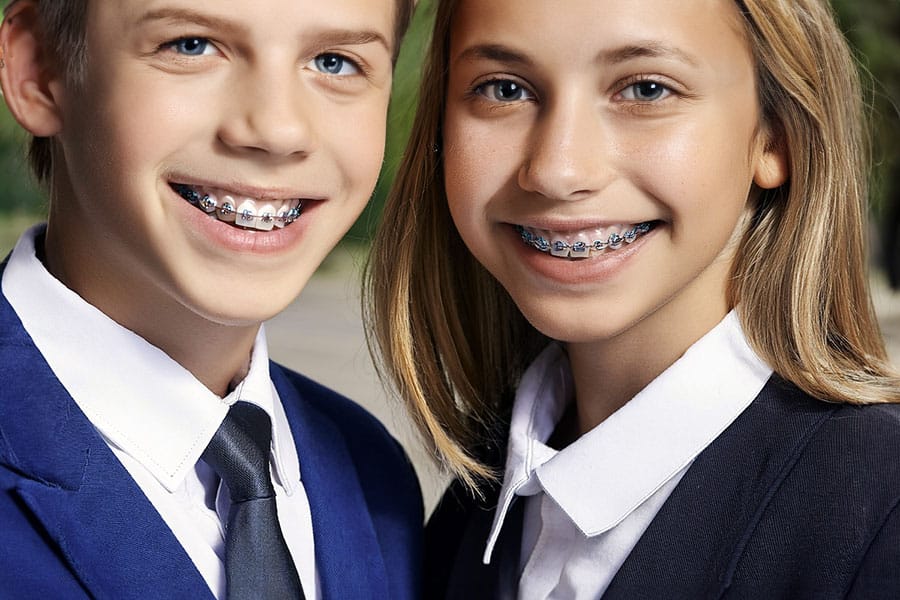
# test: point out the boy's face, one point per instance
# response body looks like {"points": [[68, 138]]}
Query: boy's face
{"points": [[258, 106]]}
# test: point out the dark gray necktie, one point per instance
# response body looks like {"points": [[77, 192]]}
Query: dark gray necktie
{"points": [[258, 564]]}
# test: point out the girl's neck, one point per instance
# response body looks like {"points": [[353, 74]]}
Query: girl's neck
{"points": [[609, 373]]}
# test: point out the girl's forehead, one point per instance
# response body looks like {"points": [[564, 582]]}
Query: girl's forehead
{"points": [[592, 25], [594, 32]]}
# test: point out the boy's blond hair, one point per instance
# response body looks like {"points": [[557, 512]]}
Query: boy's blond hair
{"points": [[454, 344]]}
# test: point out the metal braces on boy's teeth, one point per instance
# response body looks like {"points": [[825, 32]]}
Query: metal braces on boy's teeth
{"points": [[229, 213], [581, 249]]}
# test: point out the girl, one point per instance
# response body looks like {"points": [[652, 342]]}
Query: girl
{"points": [[625, 259]]}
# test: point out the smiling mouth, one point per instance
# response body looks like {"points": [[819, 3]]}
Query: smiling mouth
{"points": [[241, 211], [586, 243]]}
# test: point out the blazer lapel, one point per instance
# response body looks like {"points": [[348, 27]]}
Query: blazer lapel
{"points": [[111, 536], [348, 556], [691, 548], [103, 525], [457, 533]]}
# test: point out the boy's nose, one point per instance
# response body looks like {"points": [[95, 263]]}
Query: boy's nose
{"points": [[567, 154], [270, 114]]}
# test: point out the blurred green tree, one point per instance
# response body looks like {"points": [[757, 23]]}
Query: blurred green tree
{"points": [[400, 115], [873, 27], [18, 191]]}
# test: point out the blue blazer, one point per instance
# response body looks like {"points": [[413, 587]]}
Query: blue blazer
{"points": [[798, 499], [74, 524]]}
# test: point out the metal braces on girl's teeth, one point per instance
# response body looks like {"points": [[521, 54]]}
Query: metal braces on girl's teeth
{"points": [[248, 218], [581, 249]]}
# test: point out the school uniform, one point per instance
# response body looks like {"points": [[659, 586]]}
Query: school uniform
{"points": [[731, 485], [102, 493]]}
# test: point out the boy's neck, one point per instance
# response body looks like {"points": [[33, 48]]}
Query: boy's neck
{"points": [[217, 355]]}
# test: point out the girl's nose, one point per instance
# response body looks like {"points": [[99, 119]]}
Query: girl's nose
{"points": [[272, 113], [567, 157]]}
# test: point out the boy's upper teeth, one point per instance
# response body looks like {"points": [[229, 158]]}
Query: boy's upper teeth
{"points": [[243, 211]]}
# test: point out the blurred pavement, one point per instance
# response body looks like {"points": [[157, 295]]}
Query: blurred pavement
{"points": [[321, 336], [887, 305]]}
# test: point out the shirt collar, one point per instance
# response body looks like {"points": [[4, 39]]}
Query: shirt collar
{"points": [[602, 477], [140, 400], [257, 388]]}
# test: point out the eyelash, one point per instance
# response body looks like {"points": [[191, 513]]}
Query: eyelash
{"points": [[173, 45], [630, 84], [481, 90], [346, 60]]}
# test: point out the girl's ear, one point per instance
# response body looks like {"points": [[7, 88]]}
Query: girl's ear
{"points": [[772, 168], [30, 86]]}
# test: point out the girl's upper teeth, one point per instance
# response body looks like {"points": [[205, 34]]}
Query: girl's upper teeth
{"points": [[582, 244]]}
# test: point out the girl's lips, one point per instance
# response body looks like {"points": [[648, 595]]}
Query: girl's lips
{"points": [[598, 268], [239, 210], [584, 243]]}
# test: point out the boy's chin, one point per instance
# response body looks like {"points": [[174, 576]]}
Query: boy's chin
{"points": [[247, 306]]}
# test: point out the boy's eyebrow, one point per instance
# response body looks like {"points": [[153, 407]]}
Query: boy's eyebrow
{"points": [[328, 37], [349, 37], [649, 49], [184, 15]]}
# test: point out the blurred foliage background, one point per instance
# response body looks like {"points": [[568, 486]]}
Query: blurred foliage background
{"points": [[872, 26]]}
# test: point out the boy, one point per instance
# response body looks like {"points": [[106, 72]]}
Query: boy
{"points": [[203, 157]]}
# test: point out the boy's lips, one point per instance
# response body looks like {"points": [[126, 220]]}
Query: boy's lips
{"points": [[586, 242], [241, 209]]}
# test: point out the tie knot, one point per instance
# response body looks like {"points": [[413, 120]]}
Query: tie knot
{"points": [[239, 452]]}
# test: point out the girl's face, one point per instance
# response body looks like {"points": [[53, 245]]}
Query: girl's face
{"points": [[624, 136]]}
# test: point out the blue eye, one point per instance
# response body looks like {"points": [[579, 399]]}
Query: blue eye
{"points": [[503, 90], [645, 91], [193, 46], [335, 64]]}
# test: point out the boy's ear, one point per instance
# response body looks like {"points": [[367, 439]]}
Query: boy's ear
{"points": [[772, 168], [30, 86]]}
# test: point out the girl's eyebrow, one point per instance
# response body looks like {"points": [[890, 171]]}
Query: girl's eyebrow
{"points": [[648, 49], [493, 52]]}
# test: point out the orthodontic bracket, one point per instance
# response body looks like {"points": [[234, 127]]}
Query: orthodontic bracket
{"points": [[209, 205], [614, 242]]}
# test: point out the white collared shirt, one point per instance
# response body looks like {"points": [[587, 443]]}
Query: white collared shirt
{"points": [[588, 504], [156, 417]]}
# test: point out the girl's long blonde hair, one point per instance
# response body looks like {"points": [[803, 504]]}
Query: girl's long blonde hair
{"points": [[454, 345]]}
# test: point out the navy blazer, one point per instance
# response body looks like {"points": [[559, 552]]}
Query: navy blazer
{"points": [[74, 524], [796, 499]]}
